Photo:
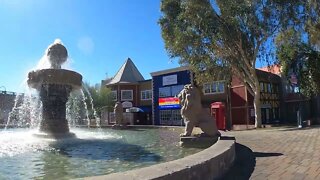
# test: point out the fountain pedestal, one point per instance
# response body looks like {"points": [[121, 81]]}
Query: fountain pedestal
{"points": [[54, 98], [54, 86]]}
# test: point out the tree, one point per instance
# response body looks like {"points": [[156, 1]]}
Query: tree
{"points": [[101, 97], [298, 49], [231, 34]]}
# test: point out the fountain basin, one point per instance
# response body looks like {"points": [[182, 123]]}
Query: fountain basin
{"points": [[54, 76], [211, 163], [94, 152]]}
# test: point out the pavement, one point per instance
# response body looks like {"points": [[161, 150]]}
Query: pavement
{"points": [[276, 153]]}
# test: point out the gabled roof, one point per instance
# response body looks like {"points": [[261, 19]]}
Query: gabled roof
{"points": [[275, 69], [127, 74]]}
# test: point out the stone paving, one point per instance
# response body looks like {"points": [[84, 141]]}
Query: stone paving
{"points": [[277, 153]]}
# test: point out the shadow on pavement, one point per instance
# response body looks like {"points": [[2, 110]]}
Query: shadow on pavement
{"points": [[300, 129], [244, 164], [265, 154]]}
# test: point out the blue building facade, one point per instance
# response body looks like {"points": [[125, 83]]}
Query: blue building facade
{"points": [[166, 86]]}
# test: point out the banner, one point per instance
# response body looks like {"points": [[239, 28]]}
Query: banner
{"points": [[169, 103]]}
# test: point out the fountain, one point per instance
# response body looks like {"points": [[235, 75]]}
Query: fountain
{"points": [[55, 85], [94, 152]]}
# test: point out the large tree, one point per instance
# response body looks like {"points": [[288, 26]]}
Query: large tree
{"points": [[233, 34], [298, 49], [100, 96]]}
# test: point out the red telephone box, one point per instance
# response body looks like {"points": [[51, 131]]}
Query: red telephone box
{"points": [[217, 111]]}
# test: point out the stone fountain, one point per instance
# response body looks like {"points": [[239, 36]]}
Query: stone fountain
{"points": [[54, 86]]}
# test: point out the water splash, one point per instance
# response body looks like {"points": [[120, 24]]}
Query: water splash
{"points": [[92, 106], [26, 111], [86, 107], [77, 114]]}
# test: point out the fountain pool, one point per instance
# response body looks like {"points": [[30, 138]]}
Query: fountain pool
{"points": [[93, 152], [53, 150]]}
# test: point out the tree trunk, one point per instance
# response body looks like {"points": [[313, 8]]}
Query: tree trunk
{"points": [[257, 106]]}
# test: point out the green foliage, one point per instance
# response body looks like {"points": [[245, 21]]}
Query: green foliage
{"points": [[230, 35], [302, 61], [226, 36], [101, 97], [298, 48]]}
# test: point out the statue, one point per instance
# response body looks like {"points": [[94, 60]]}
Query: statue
{"points": [[193, 113], [118, 112]]}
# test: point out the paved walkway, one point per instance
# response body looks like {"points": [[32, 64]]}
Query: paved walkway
{"points": [[277, 153]]}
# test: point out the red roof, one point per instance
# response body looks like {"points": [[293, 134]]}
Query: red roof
{"points": [[275, 69]]}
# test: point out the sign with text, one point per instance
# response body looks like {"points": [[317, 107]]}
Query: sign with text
{"points": [[169, 103], [127, 104], [168, 80]]}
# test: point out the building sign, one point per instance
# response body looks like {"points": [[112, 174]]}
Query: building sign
{"points": [[127, 104], [168, 80], [169, 103]]}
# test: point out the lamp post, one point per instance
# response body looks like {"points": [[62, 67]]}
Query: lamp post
{"points": [[294, 82]]}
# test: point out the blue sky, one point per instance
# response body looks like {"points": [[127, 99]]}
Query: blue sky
{"points": [[99, 35]]}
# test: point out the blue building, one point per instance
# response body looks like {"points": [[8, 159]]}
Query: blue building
{"points": [[166, 86]]}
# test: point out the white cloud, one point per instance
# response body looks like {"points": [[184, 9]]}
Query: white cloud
{"points": [[86, 45]]}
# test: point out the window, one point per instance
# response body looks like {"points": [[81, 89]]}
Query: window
{"points": [[268, 87], [164, 92], [114, 95], [126, 95], [265, 87], [146, 95], [274, 88], [214, 87], [261, 87], [170, 91], [221, 87], [170, 117], [175, 90]]}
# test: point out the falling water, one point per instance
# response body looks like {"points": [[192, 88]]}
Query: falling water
{"points": [[92, 107], [26, 111], [77, 113], [85, 106]]}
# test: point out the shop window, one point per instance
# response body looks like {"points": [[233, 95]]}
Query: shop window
{"points": [[170, 117], [126, 95], [146, 95]]}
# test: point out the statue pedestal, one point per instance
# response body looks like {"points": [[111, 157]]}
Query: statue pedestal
{"points": [[198, 141]]}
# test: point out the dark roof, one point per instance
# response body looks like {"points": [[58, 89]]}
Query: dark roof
{"points": [[127, 74]]}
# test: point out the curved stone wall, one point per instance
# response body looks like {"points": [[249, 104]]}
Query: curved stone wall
{"points": [[210, 163]]}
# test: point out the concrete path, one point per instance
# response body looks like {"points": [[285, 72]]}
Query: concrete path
{"points": [[277, 153]]}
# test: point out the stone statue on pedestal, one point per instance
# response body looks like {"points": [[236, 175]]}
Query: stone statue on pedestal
{"points": [[118, 113], [193, 113]]}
